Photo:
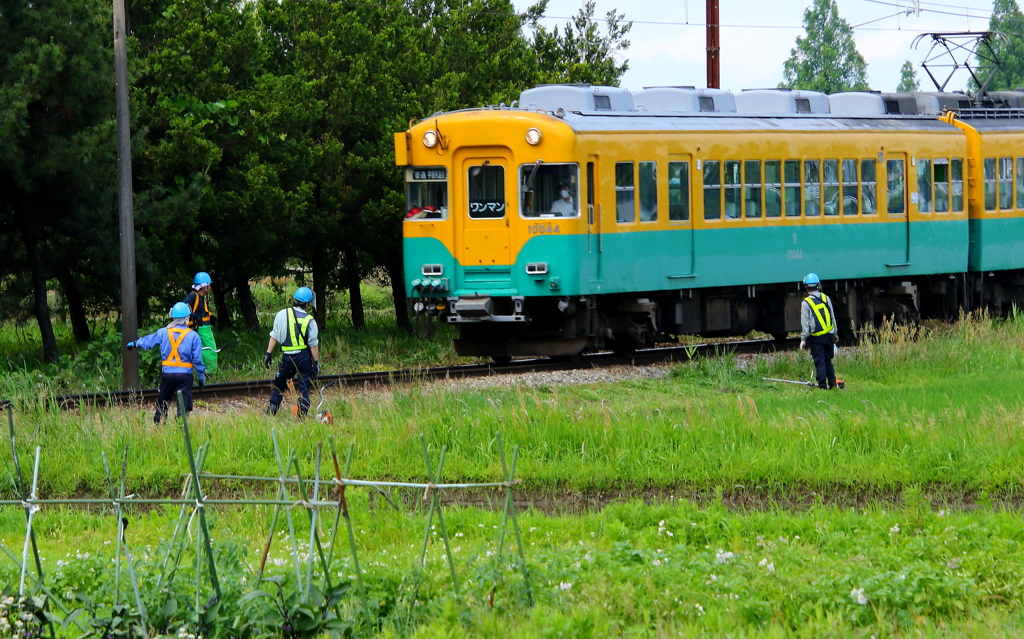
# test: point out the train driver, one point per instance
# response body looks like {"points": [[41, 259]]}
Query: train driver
{"points": [[564, 207]]}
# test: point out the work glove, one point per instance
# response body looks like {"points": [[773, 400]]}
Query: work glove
{"points": [[266, 359], [130, 346], [202, 381], [316, 368], [803, 343]]}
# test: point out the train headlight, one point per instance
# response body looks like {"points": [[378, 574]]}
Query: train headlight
{"points": [[533, 136], [430, 139]]}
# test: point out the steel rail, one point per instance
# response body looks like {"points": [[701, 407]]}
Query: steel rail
{"points": [[261, 388]]}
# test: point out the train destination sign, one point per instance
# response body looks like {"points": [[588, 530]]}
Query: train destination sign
{"points": [[439, 173]]}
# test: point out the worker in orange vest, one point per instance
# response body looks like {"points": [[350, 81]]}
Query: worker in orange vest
{"points": [[182, 352]]}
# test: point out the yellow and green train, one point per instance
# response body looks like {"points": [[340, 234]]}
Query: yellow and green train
{"points": [[593, 217]]}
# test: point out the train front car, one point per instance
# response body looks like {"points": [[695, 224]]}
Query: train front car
{"points": [[494, 235]]}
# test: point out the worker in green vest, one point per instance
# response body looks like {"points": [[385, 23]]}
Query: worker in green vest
{"points": [[296, 331], [200, 320], [818, 330]]}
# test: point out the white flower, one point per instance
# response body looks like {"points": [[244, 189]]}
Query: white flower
{"points": [[656, 562], [565, 585], [858, 596], [723, 556], [764, 563], [894, 530], [700, 609]]}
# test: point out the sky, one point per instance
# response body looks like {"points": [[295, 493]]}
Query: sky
{"points": [[668, 37]]}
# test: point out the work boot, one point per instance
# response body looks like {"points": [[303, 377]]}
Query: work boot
{"points": [[823, 386], [272, 409], [832, 383]]}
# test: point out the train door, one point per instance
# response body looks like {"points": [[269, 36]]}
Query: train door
{"points": [[898, 210], [482, 235], [680, 219], [593, 213]]}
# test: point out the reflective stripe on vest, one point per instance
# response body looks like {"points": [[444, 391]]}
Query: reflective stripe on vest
{"points": [[298, 332], [176, 336], [821, 313], [195, 307]]}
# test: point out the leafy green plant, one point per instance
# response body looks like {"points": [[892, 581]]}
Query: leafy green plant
{"points": [[301, 615]]}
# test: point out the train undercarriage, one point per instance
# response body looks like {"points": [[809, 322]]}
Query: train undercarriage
{"points": [[506, 327]]}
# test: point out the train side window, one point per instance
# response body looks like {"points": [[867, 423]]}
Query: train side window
{"points": [[712, 190], [990, 184], [625, 193], [486, 191], [752, 189], [924, 185], [830, 179], [733, 190], [1020, 183], [812, 188], [956, 184], [648, 191], [850, 202], [1005, 183], [773, 188], [792, 176], [678, 191], [868, 187], [549, 190], [895, 186], [941, 181], [590, 192]]}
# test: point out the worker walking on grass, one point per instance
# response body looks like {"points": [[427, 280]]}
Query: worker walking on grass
{"points": [[182, 352], [295, 330], [818, 330], [200, 319]]}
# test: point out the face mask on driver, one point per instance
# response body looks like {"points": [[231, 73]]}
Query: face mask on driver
{"points": [[565, 194]]}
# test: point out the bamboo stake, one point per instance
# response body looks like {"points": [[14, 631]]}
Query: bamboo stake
{"points": [[287, 512], [199, 496]]}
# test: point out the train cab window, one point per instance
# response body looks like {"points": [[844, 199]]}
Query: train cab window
{"points": [[1020, 183], [549, 190], [733, 190], [940, 176], [868, 187], [990, 184], [648, 191], [625, 193], [752, 189], [678, 191], [1005, 184], [773, 188], [812, 188], [486, 191], [830, 188], [849, 177], [924, 185], [426, 193], [712, 190], [956, 184], [895, 185], [792, 185]]}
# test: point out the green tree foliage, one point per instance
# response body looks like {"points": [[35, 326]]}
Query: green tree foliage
{"points": [[579, 52], [1006, 19], [826, 59], [908, 78]]}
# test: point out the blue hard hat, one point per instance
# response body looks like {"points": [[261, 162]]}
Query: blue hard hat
{"points": [[812, 279], [180, 311], [202, 277], [303, 295]]}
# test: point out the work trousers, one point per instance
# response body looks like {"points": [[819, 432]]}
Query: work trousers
{"points": [[297, 365], [822, 349], [170, 384]]}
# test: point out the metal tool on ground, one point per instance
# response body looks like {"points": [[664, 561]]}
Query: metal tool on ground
{"points": [[323, 416], [802, 382]]}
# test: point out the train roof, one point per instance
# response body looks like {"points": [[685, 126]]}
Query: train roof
{"points": [[655, 122]]}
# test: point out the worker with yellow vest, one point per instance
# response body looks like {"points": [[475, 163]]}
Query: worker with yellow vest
{"points": [[818, 330], [200, 319], [182, 353], [295, 330]]}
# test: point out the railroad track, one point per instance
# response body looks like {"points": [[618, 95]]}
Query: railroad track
{"points": [[261, 388]]}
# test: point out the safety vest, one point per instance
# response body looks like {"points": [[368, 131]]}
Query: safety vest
{"points": [[821, 314], [176, 336], [298, 332], [205, 318]]}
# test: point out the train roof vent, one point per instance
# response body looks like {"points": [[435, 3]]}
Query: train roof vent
{"points": [[1006, 99], [947, 101], [576, 97], [781, 101], [911, 104], [856, 103], [685, 100]]}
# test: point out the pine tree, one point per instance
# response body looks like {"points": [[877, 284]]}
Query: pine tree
{"points": [[826, 59], [908, 78], [1008, 20]]}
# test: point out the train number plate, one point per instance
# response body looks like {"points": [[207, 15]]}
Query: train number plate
{"points": [[430, 174]]}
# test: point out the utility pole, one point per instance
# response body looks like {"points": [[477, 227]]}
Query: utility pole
{"points": [[714, 71], [129, 314]]}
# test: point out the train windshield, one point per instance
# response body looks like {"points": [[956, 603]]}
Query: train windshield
{"points": [[549, 190], [426, 193]]}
